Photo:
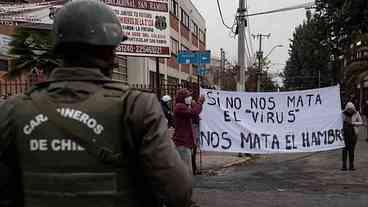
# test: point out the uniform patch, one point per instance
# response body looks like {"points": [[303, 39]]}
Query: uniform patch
{"points": [[74, 114], [34, 123], [55, 145], [81, 117]]}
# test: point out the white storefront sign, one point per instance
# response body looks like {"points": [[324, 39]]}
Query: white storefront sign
{"points": [[146, 23], [265, 123]]}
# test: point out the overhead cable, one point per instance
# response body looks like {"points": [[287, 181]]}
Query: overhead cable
{"points": [[222, 18]]}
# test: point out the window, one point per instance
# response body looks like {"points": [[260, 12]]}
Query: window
{"points": [[4, 65], [174, 8], [184, 48], [174, 46], [120, 71], [152, 79], [202, 36], [184, 18], [195, 28], [172, 80], [185, 83]]}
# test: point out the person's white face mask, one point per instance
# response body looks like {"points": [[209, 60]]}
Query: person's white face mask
{"points": [[188, 100]]}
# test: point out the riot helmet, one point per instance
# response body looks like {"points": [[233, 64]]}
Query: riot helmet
{"points": [[86, 34], [87, 22]]}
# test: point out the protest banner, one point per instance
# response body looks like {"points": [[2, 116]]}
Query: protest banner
{"points": [[145, 23], [265, 123]]}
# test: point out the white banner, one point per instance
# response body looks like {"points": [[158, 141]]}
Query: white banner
{"points": [[145, 22], [265, 123]]}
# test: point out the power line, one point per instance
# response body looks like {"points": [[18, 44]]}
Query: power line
{"points": [[248, 51], [232, 32], [222, 17], [249, 36], [251, 44]]}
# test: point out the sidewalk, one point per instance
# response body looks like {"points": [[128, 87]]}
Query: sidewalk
{"points": [[216, 160]]}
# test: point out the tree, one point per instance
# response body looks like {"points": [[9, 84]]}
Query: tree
{"points": [[267, 84], [345, 20], [343, 17], [308, 64], [32, 49], [357, 70]]}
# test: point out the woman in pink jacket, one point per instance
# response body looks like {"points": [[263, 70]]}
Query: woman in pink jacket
{"points": [[184, 137]]}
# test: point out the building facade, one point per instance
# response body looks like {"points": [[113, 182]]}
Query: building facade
{"points": [[188, 32], [7, 61]]}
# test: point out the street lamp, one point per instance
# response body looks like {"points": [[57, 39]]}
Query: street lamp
{"points": [[269, 53], [260, 59]]}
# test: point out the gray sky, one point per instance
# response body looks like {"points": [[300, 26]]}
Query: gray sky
{"points": [[280, 25]]}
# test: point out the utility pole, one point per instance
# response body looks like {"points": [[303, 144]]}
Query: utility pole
{"points": [[242, 23], [260, 58], [158, 81], [222, 67]]}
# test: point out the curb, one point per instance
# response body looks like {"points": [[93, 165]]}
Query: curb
{"points": [[237, 162], [230, 164]]}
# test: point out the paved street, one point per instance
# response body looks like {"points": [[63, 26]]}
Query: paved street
{"points": [[288, 180]]}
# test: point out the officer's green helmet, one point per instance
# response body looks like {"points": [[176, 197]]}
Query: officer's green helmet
{"points": [[87, 22]]}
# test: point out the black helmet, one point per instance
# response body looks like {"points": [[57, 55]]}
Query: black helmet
{"points": [[87, 22]]}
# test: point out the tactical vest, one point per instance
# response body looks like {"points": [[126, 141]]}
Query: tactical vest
{"points": [[57, 171]]}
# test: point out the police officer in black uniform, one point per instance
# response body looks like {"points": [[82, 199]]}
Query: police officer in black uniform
{"points": [[81, 139]]}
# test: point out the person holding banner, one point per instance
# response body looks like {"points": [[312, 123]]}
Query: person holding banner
{"points": [[186, 109], [184, 137], [352, 121]]}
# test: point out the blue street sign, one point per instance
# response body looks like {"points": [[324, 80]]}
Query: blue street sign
{"points": [[186, 57], [194, 57], [202, 71], [205, 57]]}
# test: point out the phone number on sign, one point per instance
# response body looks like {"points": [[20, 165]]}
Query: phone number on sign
{"points": [[142, 49]]}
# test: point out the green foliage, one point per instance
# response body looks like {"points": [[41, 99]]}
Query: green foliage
{"points": [[347, 23], [323, 41], [267, 84], [307, 66], [344, 16], [32, 49]]}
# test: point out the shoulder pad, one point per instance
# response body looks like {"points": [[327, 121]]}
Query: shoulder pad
{"points": [[116, 86]]}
